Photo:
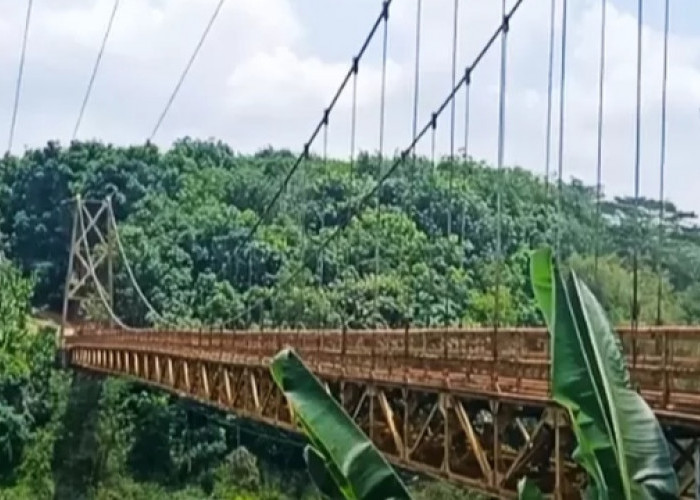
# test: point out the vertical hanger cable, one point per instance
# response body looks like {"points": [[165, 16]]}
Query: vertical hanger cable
{"points": [[637, 162], [662, 169], [599, 159]]}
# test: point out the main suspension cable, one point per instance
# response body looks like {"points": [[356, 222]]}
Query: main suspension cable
{"points": [[400, 160], [184, 73], [20, 74], [95, 68], [317, 130], [662, 168], [113, 222]]}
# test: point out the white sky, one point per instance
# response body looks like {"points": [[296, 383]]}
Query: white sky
{"points": [[269, 67]]}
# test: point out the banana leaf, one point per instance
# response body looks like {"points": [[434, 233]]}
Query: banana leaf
{"points": [[620, 442], [358, 468], [320, 473]]}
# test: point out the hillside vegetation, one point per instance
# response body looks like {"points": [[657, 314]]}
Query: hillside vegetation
{"points": [[183, 212]]}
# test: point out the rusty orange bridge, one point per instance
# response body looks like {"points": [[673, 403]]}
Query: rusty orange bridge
{"points": [[468, 405]]}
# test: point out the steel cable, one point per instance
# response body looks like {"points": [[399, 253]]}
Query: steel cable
{"points": [[467, 111], [320, 265], [20, 74], [562, 114], [129, 270], [450, 182], [416, 78], [400, 160], [550, 85], [93, 274], [95, 69], [351, 172], [317, 130], [382, 112], [184, 73], [637, 161], [662, 167], [499, 172], [414, 131], [599, 159]]}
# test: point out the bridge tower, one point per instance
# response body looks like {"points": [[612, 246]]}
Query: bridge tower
{"points": [[90, 263]]}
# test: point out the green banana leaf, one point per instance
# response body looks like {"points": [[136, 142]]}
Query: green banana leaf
{"points": [[621, 445], [528, 490], [358, 468]]}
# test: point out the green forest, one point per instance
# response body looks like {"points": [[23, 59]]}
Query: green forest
{"points": [[423, 251]]}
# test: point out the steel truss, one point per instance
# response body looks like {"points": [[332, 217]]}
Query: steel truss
{"points": [[480, 439]]}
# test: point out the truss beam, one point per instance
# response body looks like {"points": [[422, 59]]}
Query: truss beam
{"points": [[461, 432]]}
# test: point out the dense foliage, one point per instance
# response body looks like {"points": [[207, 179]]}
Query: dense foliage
{"points": [[72, 436], [426, 257], [621, 444], [184, 215]]}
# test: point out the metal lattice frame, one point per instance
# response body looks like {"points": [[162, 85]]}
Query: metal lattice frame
{"points": [[90, 262]]}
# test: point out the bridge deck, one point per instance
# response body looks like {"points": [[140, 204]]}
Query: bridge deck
{"points": [[664, 362], [425, 387]]}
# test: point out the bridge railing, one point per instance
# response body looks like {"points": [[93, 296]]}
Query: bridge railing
{"points": [[664, 361]]}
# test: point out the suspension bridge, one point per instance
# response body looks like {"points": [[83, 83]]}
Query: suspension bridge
{"points": [[470, 405], [467, 405]]}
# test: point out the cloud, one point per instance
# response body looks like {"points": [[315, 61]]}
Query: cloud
{"points": [[288, 91], [270, 67], [149, 45], [281, 79], [620, 104]]}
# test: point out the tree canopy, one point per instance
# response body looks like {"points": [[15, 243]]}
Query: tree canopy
{"points": [[185, 213], [427, 256]]}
